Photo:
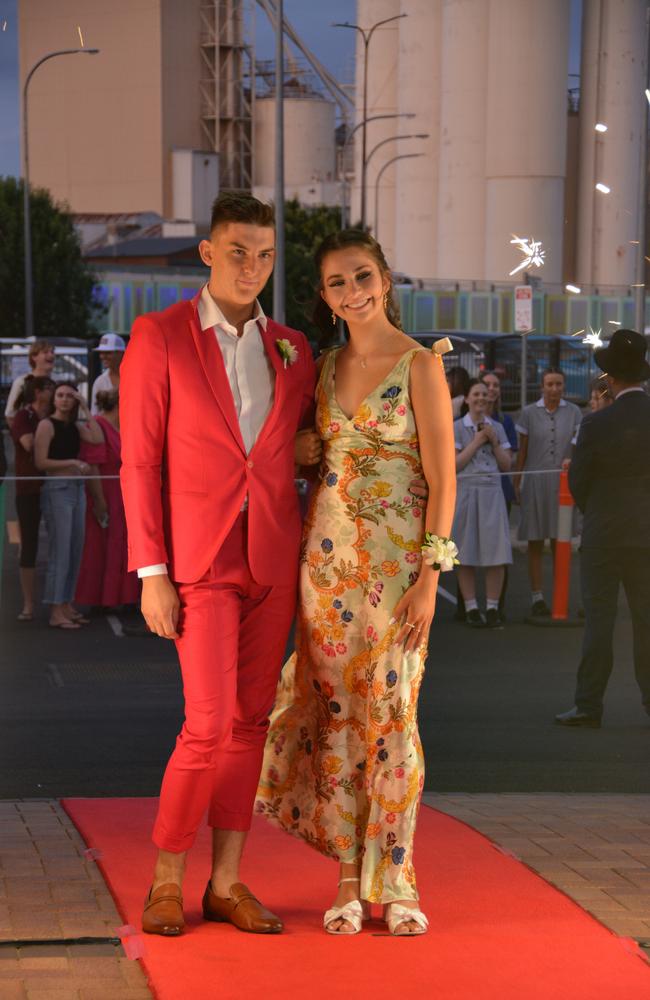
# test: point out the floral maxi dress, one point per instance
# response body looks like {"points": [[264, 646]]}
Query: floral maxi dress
{"points": [[343, 766]]}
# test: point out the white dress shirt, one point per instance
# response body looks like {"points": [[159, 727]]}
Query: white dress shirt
{"points": [[250, 374], [103, 383]]}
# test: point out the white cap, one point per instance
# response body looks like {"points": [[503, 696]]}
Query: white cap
{"points": [[111, 342]]}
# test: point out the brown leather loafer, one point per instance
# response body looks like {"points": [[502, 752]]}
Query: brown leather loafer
{"points": [[242, 909], [163, 911]]}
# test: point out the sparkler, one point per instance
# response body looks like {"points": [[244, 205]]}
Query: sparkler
{"points": [[81, 37], [600, 127], [593, 339], [532, 251], [614, 322], [573, 288], [647, 94], [577, 333], [603, 188], [4, 25]]}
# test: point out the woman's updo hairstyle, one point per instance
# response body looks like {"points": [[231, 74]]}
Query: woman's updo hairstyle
{"points": [[322, 314], [107, 399]]}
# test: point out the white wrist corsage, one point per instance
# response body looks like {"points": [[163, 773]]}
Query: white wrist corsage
{"points": [[288, 352], [439, 552]]}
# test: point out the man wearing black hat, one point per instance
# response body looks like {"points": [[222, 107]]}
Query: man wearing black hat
{"points": [[610, 481]]}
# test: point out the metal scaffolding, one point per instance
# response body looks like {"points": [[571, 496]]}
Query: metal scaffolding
{"points": [[227, 93]]}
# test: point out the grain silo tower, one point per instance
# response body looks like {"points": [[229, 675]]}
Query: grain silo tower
{"points": [[485, 81], [309, 139]]}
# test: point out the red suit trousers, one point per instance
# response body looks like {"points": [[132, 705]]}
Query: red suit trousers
{"points": [[233, 634]]}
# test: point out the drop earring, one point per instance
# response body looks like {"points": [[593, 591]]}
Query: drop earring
{"points": [[385, 302], [333, 318]]}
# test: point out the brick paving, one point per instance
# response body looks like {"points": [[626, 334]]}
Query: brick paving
{"points": [[50, 892], [595, 848]]}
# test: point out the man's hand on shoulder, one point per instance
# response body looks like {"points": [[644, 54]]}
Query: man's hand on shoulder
{"points": [[160, 605]]}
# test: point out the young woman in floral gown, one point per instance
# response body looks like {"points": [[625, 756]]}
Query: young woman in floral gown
{"points": [[343, 766]]}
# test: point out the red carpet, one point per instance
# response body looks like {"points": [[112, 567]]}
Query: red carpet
{"points": [[498, 931]]}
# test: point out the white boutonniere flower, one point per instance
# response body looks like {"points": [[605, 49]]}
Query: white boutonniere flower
{"points": [[439, 552], [288, 352]]}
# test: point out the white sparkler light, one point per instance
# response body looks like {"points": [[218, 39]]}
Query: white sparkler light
{"points": [[600, 127], [614, 322], [593, 339], [4, 25], [573, 288], [647, 94], [532, 251], [81, 37], [603, 188]]}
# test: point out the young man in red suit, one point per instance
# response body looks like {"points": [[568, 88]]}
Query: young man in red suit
{"points": [[212, 395]]}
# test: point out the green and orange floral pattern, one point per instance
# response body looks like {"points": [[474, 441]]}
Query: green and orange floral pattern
{"points": [[343, 766]]}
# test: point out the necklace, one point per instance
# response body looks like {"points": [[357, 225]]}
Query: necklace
{"points": [[361, 358]]}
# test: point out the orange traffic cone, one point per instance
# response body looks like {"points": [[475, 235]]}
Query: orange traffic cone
{"points": [[562, 562]]}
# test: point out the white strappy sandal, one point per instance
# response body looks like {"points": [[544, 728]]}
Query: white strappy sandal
{"points": [[397, 916], [353, 912]]}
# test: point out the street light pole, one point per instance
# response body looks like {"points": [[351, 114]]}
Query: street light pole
{"points": [[29, 294], [387, 164], [395, 138], [372, 118], [366, 34], [279, 269], [639, 288]]}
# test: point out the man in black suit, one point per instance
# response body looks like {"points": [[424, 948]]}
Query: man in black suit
{"points": [[609, 477]]}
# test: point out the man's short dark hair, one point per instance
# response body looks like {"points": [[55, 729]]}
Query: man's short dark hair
{"points": [[552, 370], [235, 206]]}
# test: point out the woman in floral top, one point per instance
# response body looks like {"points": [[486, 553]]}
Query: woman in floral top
{"points": [[343, 766]]}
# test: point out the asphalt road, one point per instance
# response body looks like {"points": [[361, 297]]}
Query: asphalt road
{"points": [[95, 714]]}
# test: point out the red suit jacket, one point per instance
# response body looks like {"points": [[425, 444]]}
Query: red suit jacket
{"points": [[185, 471]]}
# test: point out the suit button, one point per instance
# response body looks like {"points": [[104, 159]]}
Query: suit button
{"points": [[249, 464]]}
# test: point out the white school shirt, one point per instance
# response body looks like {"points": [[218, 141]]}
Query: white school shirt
{"points": [[250, 374]]}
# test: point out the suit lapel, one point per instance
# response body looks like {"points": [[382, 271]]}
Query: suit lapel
{"points": [[211, 359], [268, 339]]}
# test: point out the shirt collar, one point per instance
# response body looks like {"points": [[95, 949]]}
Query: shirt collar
{"points": [[540, 402], [468, 422], [633, 388], [211, 315]]}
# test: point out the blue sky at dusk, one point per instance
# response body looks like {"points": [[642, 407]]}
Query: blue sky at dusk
{"points": [[313, 22]]}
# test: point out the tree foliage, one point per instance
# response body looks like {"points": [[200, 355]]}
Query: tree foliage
{"points": [[62, 281], [305, 229]]}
